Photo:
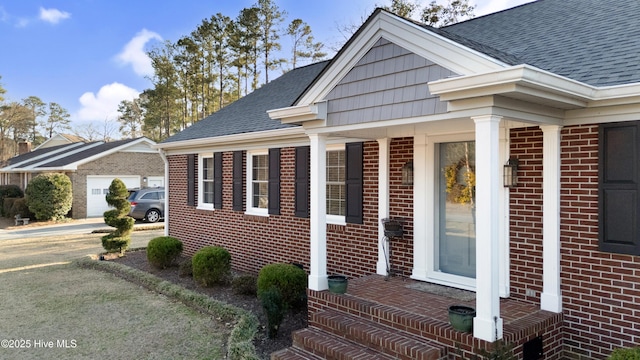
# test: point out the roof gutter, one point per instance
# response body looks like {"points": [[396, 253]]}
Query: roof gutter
{"points": [[236, 139], [531, 81]]}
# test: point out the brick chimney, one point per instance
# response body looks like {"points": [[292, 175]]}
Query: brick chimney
{"points": [[24, 147]]}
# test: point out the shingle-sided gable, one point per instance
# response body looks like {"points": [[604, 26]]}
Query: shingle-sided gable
{"points": [[249, 114], [592, 41]]}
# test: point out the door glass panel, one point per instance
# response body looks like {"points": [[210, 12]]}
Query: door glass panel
{"points": [[457, 218]]}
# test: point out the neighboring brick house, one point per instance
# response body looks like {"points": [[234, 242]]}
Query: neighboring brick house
{"points": [[413, 122], [91, 166]]}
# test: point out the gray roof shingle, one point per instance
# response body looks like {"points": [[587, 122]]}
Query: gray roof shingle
{"points": [[249, 113], [593, 41]]}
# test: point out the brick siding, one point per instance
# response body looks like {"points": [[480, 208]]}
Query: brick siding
{"points": [[600, 291], [255, 241]]}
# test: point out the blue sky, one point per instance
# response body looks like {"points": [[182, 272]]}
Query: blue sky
{"points": [[88, 55]]}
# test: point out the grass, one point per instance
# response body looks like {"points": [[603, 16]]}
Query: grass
{"points": [[100, 315]]}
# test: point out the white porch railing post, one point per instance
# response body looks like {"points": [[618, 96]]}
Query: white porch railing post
{"points": [[551, 298], [318, 218], [383, 203], [487, 324]]}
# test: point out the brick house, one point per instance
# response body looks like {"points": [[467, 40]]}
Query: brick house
{"points": [[91, 166], [425, 125]]}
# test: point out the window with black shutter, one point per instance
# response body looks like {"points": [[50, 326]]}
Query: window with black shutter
{"points": [[302, 181], [191, 180], [618, 188], [217, 180], [354, 182], [274, 182], [238, 181]]}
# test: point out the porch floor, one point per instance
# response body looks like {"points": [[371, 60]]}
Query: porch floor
{"points": [[396, 305], [401, 293]]}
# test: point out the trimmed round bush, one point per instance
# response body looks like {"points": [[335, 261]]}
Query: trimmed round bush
{"points": [[9, 191], [625, 354], [289, 279], [19, 207], [49, 196], [211, 266], [119, 239], [163, 251]]}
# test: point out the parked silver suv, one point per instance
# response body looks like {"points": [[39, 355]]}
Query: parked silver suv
{"points": [[147, 204]]}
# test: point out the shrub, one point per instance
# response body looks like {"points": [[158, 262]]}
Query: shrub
{"points": [[211, 266], [7, 205], [49, 196], [245, 285], [186, 268], [19, 207], [289, 279], [9, 191], [118, 240], [163, 251], [625, 354], [275, 308]]}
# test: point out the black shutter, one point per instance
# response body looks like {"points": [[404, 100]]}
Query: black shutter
{"points": [[274, 182], [238, 180], [191, 180], [354, 182], [618, 206], [217, 180], [302, 181]]}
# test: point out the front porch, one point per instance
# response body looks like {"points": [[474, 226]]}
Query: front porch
{"points": [[387, 318]]}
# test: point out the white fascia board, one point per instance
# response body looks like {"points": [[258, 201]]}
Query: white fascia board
{"points": [[414, 38], [528, 80], [300, 113], [246, 141], [48, 155], [522, 76], [61, 155]]}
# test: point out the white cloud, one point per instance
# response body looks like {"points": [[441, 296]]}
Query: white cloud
{"points": [[104, 104], [53, 16], [134, 53]]}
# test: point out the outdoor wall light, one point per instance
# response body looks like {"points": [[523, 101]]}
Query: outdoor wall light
{"points": [[144, 179], [407, 173], [511, 173]]}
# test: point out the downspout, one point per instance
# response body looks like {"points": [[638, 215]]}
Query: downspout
{"points": [[163, 155]]}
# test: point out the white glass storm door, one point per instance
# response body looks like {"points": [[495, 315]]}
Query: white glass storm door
{"points": [[456, 226]]}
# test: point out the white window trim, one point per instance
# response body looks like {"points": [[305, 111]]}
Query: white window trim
{"points": [[201, 204], [336, 219], [249, 184]]}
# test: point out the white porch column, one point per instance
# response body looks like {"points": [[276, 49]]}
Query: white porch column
{"points": [[487, 324], [383, 202], [318, 213], [551, 298]]}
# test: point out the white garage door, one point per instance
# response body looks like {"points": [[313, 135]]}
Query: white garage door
{"points": [[98, 187]]}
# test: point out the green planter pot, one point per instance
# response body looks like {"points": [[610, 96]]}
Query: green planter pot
{"points": [[337, 284], [461, 317]]}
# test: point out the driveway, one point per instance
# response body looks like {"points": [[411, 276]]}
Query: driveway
{"points": [[38, 246]]}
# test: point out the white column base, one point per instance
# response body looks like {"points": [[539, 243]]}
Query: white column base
{"points": [[318, 283], [487, 329], [551, 302]]}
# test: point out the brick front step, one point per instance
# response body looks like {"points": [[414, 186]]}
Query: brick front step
{"points": [[377, 337], [293, 353], [330, 346]]}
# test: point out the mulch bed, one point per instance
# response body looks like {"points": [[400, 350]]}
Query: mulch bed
{"points": [[295, 319]]}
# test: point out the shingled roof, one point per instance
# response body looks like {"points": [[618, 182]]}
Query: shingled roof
{"points": [[249, 113], [61, 156], [593, 41]]}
